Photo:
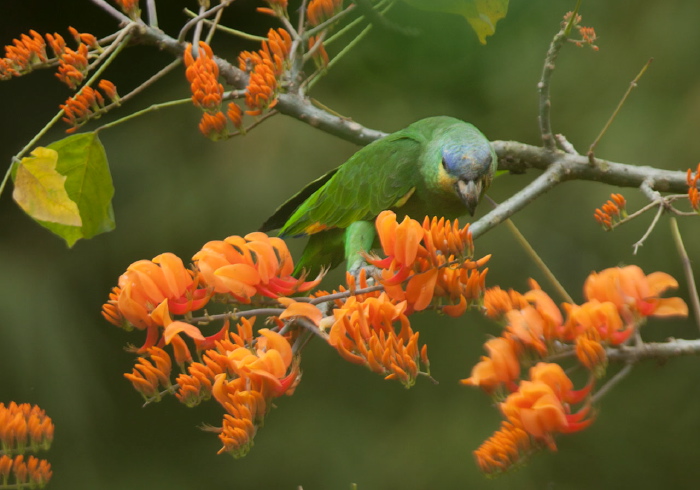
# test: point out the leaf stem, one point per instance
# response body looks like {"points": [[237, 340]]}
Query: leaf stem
{"points": [[633, 84], [687, 270]]}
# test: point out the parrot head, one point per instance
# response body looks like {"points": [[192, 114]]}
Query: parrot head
{"points": [[471, 168]]}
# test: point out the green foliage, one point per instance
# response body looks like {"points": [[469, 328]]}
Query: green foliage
{"points": [[67, 187], [482, 15]]}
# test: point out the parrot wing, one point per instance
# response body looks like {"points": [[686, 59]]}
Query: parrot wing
{"points": [[380, 176]]}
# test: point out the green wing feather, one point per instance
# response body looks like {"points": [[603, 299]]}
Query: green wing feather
{"points": [[282, 213], [373, 179]]}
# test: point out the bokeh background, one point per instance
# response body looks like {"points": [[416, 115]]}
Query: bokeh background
{"points": [[175, 190]]}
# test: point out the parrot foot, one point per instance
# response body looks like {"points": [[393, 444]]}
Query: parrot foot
{"points": [[372, 273]]}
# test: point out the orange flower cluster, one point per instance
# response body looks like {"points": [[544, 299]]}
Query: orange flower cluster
{"points": [[265, 67], [247, 266], [203, 75], [148, 375], [148, 284], [130, 8], [24, 428], [363, 333], [29, 52], [535, 412], [88, 104], [18, 473], [431, 257], [618, 301], [23, 55], [319, 11], [610, 213], [243, 373], [634, 294], [588, 35], [207, 92], [693, 192]]}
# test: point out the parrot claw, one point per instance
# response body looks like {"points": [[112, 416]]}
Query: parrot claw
{"points": [[372, 273]]}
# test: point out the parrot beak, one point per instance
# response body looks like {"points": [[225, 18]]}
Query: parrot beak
{"points": [[470, 193]]}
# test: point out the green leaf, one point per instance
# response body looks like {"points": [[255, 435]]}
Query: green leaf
{"points": [[482, 15], [82, 160], [40, 190]]}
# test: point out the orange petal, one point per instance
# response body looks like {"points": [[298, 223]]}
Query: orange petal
{"points": [[671, 307], [306, 310], [420, 289], [181, 327]]}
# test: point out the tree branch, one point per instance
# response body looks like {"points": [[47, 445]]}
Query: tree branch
{"points": [[513, 156], [654, 350]]}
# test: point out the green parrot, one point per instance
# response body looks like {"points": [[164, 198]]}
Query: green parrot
{"points": [[438, 166]]}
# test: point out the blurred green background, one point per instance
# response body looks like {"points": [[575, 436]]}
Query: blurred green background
{"points": [[175, 190]]}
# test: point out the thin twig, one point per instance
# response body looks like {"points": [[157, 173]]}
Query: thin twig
{"points": [[539, 263], [641, 241], [545, 104], [152, 13], [551, 177], [687, 270], [633, 84], [200, 17], [228, 30], [112, 11], [619, 376], [329, 22]]}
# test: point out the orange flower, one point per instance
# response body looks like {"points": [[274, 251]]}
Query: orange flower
{"points": [[23, 55], [203, 74], [364, 333], [591, 353], [498, 302], [421, 254], [505, 448], [610, 213], [148, 375], [527, 326], [24, 427], [18, 473], [693, 192], [213, 126], [88, 104], [130, 8], [235, 115], [604, 318], [635, 294], [83, 38], [553, 375], [109, 89], [265, 67], [320, 54], [247, 383], [318, 11], [296, 309], [536, 408], [247, 266], [73, 66], [500, 368], [447, 237], [147, 284]]}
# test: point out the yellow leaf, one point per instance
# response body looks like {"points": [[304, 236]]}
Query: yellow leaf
{"points": [[482, 15], [40, 190]]}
